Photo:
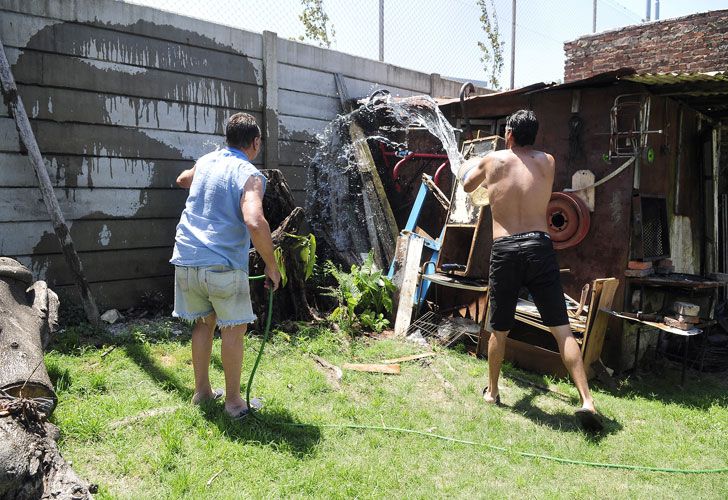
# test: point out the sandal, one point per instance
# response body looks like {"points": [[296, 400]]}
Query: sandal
{"points": [[255, 404], [216, 394]]}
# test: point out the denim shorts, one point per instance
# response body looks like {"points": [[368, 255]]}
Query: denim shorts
{"points": [[525, 259], [200, 291]]}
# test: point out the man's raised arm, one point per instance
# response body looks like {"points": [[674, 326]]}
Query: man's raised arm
{"points": [[472, 173]]}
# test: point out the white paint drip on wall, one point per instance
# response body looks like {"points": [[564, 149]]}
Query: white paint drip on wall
{"points": [[50, 106], [152, 113], [189, 149], [35, 110], [681, 245], [104, 236], [175, 57], [108, 66]]}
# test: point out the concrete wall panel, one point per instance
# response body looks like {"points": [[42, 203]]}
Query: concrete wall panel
{"points": [[46, 103], [22, 238], [26, 204]]}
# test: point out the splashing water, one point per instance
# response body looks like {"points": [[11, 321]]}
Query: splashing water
{"points": [[334, 203], [423, 110]]}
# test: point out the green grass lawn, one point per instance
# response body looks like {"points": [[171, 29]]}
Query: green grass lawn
{"points": [[127, 424]]}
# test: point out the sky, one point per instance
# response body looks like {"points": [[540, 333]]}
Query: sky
{"points": [[440, 36]]}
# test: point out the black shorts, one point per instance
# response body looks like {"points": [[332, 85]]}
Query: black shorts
{"points": [[525, 259]]}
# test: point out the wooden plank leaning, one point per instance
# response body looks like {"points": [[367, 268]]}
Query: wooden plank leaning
{"points": [[602, 298], [17, 110], [383, 222], [408, 287]]}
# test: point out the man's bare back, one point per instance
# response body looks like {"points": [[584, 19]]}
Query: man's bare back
{"points": [[519, 182]]}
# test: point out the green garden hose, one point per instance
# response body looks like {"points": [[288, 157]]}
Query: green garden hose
{"points": [[432, 435]]}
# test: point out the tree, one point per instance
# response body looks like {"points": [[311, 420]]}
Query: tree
{"points": [[316, 23], [492, 48]]}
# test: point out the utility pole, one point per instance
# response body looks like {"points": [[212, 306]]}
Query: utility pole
{"points": [[594, 17], [647, 14], [381, 30], [513, 45], [657, 10]]}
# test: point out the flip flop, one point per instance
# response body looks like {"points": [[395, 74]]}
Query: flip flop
{"points": [[589, 420], [256, 405], [216, 394], [497, 398]]}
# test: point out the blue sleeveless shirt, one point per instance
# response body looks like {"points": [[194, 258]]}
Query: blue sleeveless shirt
{"points": [[211, 230]]}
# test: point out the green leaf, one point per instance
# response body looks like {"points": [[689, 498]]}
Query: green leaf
{"points": [[311, 261], [278, 254]]}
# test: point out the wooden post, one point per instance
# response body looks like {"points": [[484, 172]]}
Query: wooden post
{"points": [[409, 285], [270, 93], [17, 110]]}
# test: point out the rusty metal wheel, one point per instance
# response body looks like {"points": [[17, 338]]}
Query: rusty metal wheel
{"points": [[568, 220]]}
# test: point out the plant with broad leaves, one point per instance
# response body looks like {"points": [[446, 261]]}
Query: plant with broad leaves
{"points": [[306, 248], [364, 295]]}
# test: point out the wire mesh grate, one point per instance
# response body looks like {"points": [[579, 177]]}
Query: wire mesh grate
{"points": [[443, 330]]}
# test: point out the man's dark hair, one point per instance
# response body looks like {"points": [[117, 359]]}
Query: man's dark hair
{"points": [[524, 126], [240, 130]]}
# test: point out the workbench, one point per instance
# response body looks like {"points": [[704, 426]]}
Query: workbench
{"points": [[693, 285], [662, 327]]}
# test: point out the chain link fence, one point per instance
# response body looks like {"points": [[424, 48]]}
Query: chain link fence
{"points": [[431, 36]]}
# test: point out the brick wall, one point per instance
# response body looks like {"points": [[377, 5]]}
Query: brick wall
{"points": [[698, 42]]}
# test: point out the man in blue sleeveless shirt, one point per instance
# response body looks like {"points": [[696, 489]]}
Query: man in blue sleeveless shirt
{"points": [[223, 213]]}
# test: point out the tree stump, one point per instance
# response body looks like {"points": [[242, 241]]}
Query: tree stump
{"points": [[26, 319], [284, 219], [31, 465]]}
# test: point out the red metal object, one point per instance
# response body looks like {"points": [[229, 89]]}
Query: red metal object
{"points": [[568, 220], [442, 167], [416, 156]]}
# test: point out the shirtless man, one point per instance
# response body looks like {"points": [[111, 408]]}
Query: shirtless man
{"points": [[519, 181]]}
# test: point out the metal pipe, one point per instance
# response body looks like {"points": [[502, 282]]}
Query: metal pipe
{"points": [[657, 10], [438, 173], [395, 170], [465, 91], [594, 17], [381, 30], [513, 43], [647, 13]]}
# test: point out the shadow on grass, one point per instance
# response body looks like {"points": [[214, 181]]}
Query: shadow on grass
{"points": [[701, 391], [274, 427], [559, 420]]}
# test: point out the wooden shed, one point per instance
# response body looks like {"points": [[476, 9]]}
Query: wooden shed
{"points": [[671, 196]]}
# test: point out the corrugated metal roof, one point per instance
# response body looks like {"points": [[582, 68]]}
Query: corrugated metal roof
{"points": [[706, 92], [677, 78]]}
